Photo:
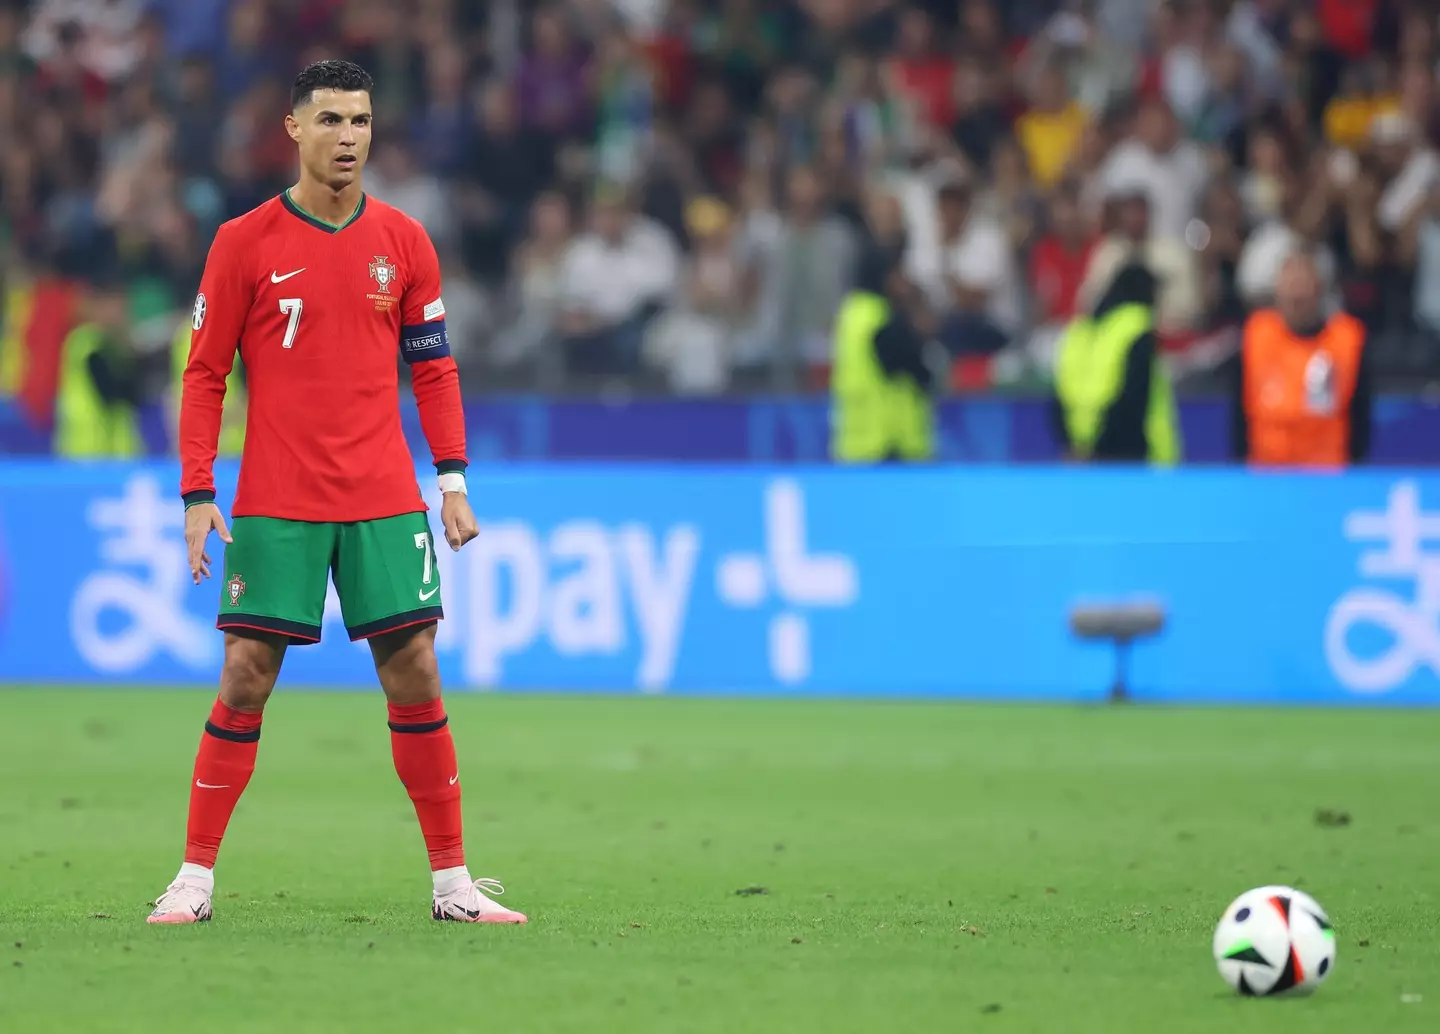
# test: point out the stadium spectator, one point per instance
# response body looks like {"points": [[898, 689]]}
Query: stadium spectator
{"points": [[441, 126], [197, 131], [134, 127], [102, 38], [981, 119], [1419, 249], [981, 31], [1229, 98], [1059, 259], [1102, 70], [535, 286], [394, 177], [921, 74], [712, 136], [613, 281], [506, 167], [971, 279], [1220, 242], [551, 80], [759, 231], [1171, 260], [193, 28], [1355, 106], [1266, 176], [1405, 164], [814, 267], [693, 341], [1050, 131], [246, 58], [1297, 226], [1011, 197], [1156, 159], [625, 107]]}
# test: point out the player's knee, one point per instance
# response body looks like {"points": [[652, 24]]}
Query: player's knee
{"points": [[407, 665], [416, 661], [251, 667]]}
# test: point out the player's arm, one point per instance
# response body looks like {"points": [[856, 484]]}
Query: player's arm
{"points": [[425, 347], [215, 327]]}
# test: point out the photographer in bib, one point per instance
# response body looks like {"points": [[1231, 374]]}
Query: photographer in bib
{"points": [[1303, 391]]}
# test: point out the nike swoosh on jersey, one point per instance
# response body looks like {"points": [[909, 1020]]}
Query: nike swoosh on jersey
{"points": [[426, 595], [275, 277]]}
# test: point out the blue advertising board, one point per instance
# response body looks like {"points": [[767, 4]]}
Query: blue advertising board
{"points": [[797, 581], [973, 429]]}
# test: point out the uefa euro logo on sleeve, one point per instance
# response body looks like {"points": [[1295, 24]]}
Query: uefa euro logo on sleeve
{"points": [[1411, 627]]}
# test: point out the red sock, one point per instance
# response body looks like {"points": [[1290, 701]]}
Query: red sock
{"points": [[425, 762], [223, 767]]}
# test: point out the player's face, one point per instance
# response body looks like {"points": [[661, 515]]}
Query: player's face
{"points": [[333, 133]]}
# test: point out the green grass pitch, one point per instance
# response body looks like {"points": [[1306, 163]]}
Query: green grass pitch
{"points": [[924, 867]]}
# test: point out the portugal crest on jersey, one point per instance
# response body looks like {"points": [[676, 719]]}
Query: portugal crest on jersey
{"points": [[383, 271], [234, 589]]}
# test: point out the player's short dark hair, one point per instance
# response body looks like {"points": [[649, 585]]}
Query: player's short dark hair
{"points": [[329, 75]]}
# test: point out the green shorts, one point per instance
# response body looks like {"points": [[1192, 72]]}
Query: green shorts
{"points": [[276, 573]]}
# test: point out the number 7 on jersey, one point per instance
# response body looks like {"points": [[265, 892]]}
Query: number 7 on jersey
{"points": [[291, 307]]}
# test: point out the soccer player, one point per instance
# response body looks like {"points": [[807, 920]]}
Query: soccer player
{"points": [[321, 288]]}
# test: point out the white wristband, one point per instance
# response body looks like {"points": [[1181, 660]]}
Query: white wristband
{"points": [[452, 481]]}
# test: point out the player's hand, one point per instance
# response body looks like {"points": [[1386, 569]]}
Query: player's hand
{"points": [[459, 520], [200, 519]]}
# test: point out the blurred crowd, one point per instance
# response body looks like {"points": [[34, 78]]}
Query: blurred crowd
{"points": [[678, 193]]}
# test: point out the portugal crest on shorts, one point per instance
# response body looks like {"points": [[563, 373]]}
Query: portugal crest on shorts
{"points": [[383, 271], [234, 589]]}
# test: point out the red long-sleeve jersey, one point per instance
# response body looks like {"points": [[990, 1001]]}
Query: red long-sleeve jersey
{"points": [[318, 313]]}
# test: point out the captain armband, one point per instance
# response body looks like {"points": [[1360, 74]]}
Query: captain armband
{"points": [[424, 341]]}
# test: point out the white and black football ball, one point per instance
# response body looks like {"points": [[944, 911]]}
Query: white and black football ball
{"points": [[1274, 940]]}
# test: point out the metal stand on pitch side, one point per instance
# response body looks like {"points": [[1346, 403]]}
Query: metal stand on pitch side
{"points": [[1121, 624]]}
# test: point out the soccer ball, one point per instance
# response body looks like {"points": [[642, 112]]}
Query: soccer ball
{"points": [[1274, 940]]}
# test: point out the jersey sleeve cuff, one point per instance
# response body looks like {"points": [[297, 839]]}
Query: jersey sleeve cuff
{"points": [[200, 495], [442, 467]]}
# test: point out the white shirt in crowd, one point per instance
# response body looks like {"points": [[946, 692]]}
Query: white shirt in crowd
{"points": [[109, 46], [1427, 276], [1178, 298], [422, 197], [980, 259], [1172, 181], [1410, 185], [1265, 251], [612, 283], [1185, 80], [644, 17]]}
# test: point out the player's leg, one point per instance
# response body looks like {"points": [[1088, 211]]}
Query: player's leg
{"points": [[224, 764], [389, 590], [273, 594]]}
